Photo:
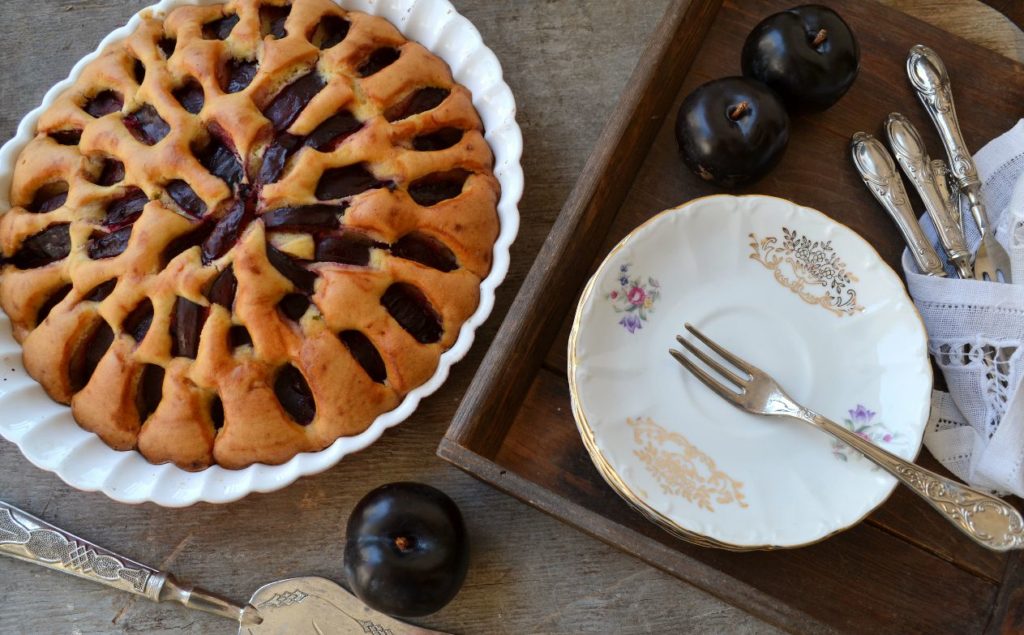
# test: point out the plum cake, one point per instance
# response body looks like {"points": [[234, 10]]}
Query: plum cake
{"points": [[247, 230]]}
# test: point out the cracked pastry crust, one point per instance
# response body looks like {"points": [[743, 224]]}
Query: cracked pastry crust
{"points": [[247, 230]]}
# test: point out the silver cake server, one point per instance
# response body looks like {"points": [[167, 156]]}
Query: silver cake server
{"points": [[297, 605], [930, 80], [907, 145], [876, 167]]}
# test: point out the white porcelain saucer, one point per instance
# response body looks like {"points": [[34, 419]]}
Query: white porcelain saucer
{"points": [[798, 295]]}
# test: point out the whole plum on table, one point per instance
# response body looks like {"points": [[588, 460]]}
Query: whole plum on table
{"points": [[406, 549], [732, 130]]}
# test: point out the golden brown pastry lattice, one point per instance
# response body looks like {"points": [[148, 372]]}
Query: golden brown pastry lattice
{"points": [[247, 230]]}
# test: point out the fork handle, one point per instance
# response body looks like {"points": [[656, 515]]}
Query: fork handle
{"points": [[989, 521]]}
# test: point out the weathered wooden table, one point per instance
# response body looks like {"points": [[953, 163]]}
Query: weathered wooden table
{"points": [[566, 62]]}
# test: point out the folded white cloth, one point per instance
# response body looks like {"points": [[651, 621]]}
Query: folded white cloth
{"points": [[976, 335]]}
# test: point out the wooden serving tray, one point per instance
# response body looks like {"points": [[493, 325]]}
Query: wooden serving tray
{"points": [[904, 569]]}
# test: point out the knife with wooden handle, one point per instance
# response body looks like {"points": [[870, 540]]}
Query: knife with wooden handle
{"points": [[910, 152], [876, 167]]}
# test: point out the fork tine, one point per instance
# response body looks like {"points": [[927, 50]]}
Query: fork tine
{"points": [[705, 378], [729, 357], [715, 365]]}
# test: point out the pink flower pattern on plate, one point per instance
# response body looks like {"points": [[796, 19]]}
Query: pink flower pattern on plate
{"points": [[635, 298], [861, 422]]}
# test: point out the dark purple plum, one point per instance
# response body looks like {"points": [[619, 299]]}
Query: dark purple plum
{"points": [[49, 197], [378, 61], [294, 306], [167, 45], [223, 289], [146, 125], [101, 291], [426, 251], [238, 335], [366, 354], [139, 71], [186, 198], [440, 140], [220, 29], [185, 242], [222, 162], [238, 75], [732, 131], [307, 217], [50, 245], [67, 137], [330, 32], [272, 20], [333, 131], [217, 412], [276, 155], [411, 309], [88, 354], [292, 100], [434, 188], [406, 549], [186, 325], [111, 173], [104, 103], [350, 180], [137, 323], [294, 394], [150, 390], [227, 231], [349, 248], [109, 245], [53, 300], [302, 278], [191, 96], [125, 210], [422, 100]]}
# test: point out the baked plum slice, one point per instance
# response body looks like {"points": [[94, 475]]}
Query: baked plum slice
{"points": [[50, 245], [425, 250], [302, 278], [67, 137], [146, 125], [49, 197], [434, 188], [191, 96], [420, 101], [221, 161], [411, 309], [226, 232], [378, 61], [276, 155], [223, 289], [350, 180], [101, 291], [440, 140], [349, 248], [333, 131], [366, 354], [127, 209], [272, 20], [109, 245], [186, 198], [104, 103], [53, 300], [220, 28], [307, 217], [137, 323], [111, 173], [87, 356], [294, 394], [150, 390], [330, 32], [294, 306], [238, 74], [292, 100], [186, 325]]}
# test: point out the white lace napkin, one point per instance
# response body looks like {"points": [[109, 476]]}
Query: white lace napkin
{"points": [[976, 335]]}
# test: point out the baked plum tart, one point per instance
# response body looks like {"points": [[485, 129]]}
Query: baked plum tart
{"points": [[247, 230]]}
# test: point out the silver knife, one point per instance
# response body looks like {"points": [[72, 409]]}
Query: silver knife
{"points": [[907, 145], [930, 80], [297, 605], [878, 170]]}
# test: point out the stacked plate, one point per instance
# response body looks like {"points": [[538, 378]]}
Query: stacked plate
{"points": [[800, 296]]}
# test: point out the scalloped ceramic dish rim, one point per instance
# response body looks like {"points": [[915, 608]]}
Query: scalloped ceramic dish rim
{"points": [[612, 478], [221, 485]]}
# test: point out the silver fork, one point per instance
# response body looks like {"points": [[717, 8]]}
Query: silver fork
{"points": [[989, 521]]}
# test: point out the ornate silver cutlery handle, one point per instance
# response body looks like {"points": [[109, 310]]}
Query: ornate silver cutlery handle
{"points": [[30, 539], [907, 145], [878, 170], [988, 520]]}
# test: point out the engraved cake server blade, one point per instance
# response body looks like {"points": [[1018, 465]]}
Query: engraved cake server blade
{"points": [[296, 605], [930, 80]]}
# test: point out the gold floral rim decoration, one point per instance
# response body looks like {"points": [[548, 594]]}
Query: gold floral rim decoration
{"points": [[688, 473], [809, 268]]}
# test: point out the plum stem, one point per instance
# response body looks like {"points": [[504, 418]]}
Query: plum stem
{"points": [[819, 38], [738, 110]]}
